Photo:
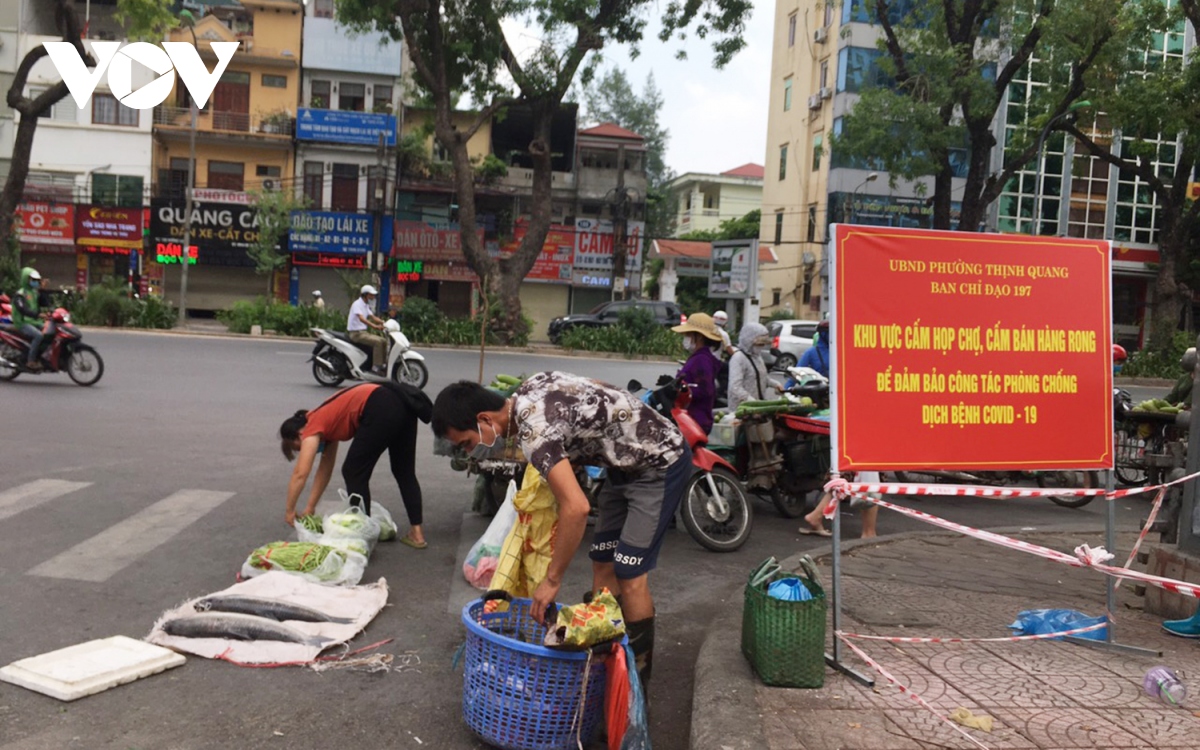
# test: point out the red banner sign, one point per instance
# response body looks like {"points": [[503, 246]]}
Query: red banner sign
{"points": [[970, 351], [554, 261], [106, 226], [45, 223]]}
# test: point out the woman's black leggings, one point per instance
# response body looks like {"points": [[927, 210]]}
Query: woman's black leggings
{"points": [[388, 423]]}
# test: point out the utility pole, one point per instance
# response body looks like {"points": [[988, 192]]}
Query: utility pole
{"points": [[377, 259], [620, 225], [185, 257]]}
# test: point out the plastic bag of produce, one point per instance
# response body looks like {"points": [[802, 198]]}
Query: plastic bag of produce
{"points": [[309, 528], [482, 558], [387, 526], [318, 563], [351, 522]]}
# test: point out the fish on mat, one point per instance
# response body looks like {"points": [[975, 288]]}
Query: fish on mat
{"points": [[238, 627], [273, 609]]}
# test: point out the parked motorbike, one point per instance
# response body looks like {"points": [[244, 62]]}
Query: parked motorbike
{"points": [[714, 508], [336, 358], [64, 353]]}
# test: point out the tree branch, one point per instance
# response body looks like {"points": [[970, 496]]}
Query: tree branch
{"points": [[1025, 51], [882, 11], [1140, 167]]}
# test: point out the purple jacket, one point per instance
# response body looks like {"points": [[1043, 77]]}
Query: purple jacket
{"points": [[701, 371]]}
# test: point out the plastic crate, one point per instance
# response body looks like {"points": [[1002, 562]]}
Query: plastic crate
{"points": [[724, 434]]}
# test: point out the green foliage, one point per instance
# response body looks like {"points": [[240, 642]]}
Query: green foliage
{"points": [[743, 228], [354, 280], [782, 313], [639, 321], [274, 210], [625, 340], [1160, 363], [422, 322], [109, 304], [489, 169], [284, 319], [146, 20]]}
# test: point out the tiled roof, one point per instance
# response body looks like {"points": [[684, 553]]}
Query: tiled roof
{"points": [[611, 130], [755, 171]]}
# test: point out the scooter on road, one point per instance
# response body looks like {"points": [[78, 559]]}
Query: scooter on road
{"points": [[64, 353], [336, 358]]}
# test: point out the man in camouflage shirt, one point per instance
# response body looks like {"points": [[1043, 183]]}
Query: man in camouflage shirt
{"points": [[561, 422]]}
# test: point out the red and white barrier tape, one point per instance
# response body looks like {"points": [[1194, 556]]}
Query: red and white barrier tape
{"points": [[1158, 501], [1004, 639], [908, 691], [1084, 557]]}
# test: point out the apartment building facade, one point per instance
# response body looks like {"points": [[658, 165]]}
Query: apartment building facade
{"points": [[703, 201]]}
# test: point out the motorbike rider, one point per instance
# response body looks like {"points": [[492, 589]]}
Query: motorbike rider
{"points": [[318, 301], [1181, 393], [700, 335], [558, 421], [748, 379], [721, 318], [26, 315], [359, 324], [817, 356]]}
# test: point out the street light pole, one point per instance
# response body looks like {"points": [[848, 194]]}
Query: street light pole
{"points": [[1038, 175], [185, 256], [854, 196]]}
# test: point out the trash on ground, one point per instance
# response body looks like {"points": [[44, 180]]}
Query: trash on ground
{"points": [[964, 717], [1045, 621], [88, 668], [1164, 683]]}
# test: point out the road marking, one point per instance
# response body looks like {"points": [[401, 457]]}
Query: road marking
{"points": [[35, 493], [110, 551]]}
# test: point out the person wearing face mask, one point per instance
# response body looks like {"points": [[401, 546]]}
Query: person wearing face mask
{"points": [[562, 421], [26, 315], [748, 379], [700, 336], [375, 418]]}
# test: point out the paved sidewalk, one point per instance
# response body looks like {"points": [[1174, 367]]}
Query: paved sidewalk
{"points": [[1042, 694]]}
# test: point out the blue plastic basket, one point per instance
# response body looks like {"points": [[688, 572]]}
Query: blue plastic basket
{"points": [[520, 695]]}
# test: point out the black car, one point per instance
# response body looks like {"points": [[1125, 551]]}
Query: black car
{"points": [[608, 313]]}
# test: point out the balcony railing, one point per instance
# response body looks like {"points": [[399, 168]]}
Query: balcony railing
{"points": [[228, 122]]}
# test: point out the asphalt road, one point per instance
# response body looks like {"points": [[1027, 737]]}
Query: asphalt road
{"points": [[188, 424]]}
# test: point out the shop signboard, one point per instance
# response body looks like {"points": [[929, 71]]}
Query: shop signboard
{"points": [[554, 262], [733, 272], [436, 250], [221, 232], [108, 227], [594, 245], [46, 222], [337, 126], [331, 232], [956, 350]]}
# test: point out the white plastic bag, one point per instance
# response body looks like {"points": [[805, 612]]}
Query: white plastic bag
{"points": [[337, 569], [387, 526], [351, 522], [484, 556]]}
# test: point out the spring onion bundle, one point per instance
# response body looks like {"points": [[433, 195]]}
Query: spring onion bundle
{"points": [[312, 523], [300, 557]]}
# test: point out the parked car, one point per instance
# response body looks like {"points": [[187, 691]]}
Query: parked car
{"points": [[608, 314], [789, 340]]}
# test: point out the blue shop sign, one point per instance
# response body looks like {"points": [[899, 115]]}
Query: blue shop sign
{"points": [[336, 126], [330, 232]]}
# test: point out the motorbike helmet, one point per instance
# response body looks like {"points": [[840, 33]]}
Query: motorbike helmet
{"points": [[368, 289], [316, 293], [720, 317], [28, 276], [1119, 353], [1188, 360]]}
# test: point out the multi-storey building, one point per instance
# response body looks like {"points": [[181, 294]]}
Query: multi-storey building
{"points": [[705, 200], [574, 270], [823, 56], [243, 141], [351, 87], [81, 218]]}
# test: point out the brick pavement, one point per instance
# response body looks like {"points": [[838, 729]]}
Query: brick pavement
{"points": [[1043, 694]]}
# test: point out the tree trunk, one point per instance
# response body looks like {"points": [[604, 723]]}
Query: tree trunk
{"points": [[943, 184], [1170, 296], [19, 171]]}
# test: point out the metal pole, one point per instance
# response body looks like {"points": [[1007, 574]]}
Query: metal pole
{"points": [[185, 257], [619, 227], [1110, 543], [1188, 520], [835, 595]]}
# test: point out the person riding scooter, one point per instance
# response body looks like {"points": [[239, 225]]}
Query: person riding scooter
{"points": [[359, 322], [26, 315]]}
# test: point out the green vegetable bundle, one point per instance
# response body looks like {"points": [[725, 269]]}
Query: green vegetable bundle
{"points": [[506, 384], [299, 557], [312, 523], [778, 406], [1157, 405], [355, 523]]}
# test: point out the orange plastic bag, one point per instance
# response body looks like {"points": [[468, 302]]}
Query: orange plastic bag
{"points": [[616, 698]]}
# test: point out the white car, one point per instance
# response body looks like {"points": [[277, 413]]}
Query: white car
{"points": [[789, 340]]}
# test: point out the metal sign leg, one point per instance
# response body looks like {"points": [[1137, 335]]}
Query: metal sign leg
{"points": [[835, 587]]}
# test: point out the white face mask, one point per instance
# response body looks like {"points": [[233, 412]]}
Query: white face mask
{"points": [[689, 344]]}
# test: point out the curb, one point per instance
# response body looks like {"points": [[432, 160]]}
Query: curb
{"points": [[540, 349], [1153, 382], [725, 713]]}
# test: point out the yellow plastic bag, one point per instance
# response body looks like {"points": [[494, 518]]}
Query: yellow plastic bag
{"points": [[585, 625], [525, 556]]}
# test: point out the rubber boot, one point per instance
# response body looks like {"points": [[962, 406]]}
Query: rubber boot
{"points": [[641, 642], [1189, 628]]}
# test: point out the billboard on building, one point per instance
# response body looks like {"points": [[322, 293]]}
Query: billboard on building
{"points": [[331, 232], [733, 272], [594, 245], [423, 251], [554, 262], [221, 232], [336, 126], [46, 223], [108, 226]]}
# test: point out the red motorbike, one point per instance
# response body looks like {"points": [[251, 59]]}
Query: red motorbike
{"points": [[715, 509], [64, 352]]}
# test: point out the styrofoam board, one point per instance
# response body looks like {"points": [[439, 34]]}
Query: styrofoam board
{"points": [[88, 668]]}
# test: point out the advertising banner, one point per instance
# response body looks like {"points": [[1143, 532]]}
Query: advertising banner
{"points": [[956, 350], [733, 273], [108, 227], [221, 232], [331, 232], [45, 223], [336, 126], [427, 252], [553, 263], [594, 245]]}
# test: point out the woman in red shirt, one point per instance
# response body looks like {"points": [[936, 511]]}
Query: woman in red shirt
{"points": [[375, 418]]}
